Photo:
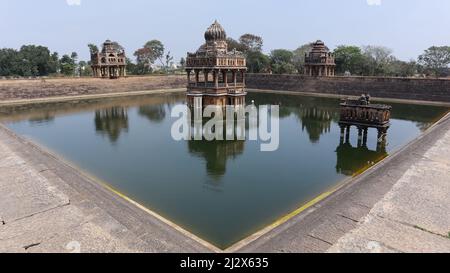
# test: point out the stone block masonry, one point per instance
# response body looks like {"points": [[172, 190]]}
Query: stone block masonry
{"points": [[395, 88]]}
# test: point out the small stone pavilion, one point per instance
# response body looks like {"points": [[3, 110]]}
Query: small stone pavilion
{"points": [[110, 62], [319, 62], [216, 76], [363, 115]]}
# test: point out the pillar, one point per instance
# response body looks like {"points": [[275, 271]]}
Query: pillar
{"points": [[225, 78], [347, 135], [360, 131], [196, 76], [216, 78], [189, 76], [365, 137]]}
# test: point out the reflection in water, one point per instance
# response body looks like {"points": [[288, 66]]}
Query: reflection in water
{"points": [[217, 152], [316, 120], [315, 114], [41, 120], [351, 160], [155, 113], [111, 122]]}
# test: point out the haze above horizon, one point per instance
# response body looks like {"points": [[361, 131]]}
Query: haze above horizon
{"points": [[406, 26]]}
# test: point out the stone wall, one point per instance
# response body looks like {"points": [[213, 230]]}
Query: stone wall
{"points": [[397, 88], [44, 88]]}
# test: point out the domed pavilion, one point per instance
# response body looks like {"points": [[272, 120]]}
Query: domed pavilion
{"points": [[216, 76], [110, 62]]}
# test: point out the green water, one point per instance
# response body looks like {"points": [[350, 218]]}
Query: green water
{"points": [[221, 191]]}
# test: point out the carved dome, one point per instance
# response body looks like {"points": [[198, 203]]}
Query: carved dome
{"points": [[215, 33]]}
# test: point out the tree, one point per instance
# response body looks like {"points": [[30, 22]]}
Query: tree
{"points": [[281, 61], [118, 47], [54, 63], [349, 59], [168, 61], [251, 42], [34, 61], [67, 65], [93, 49], [258, 62], [84, 69], [299, 56], [436, 60], [156, 50], [234, 45], [377, 60], [131, 67], [403, 69], [183, 62], [8, 62], [147, 55], [30, 60], [144, 60]]}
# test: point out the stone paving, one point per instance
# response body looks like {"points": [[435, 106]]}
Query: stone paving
{"points": [[414, 216], [46, 206]]}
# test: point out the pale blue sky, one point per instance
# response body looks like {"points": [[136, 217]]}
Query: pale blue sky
{"points": [[406, 26]]}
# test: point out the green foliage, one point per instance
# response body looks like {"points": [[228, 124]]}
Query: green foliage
{"points": [[251, 45], [156, 50], [36, 61], [93, 49], [147, 55], [403, 69], [349, 59], [436, 60], [182, 62], [68, 65], [258, 62], [378, 61], [371, 61], [299, 56], [9, 62], [85, 69], [282, 61], [30, 60]]}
